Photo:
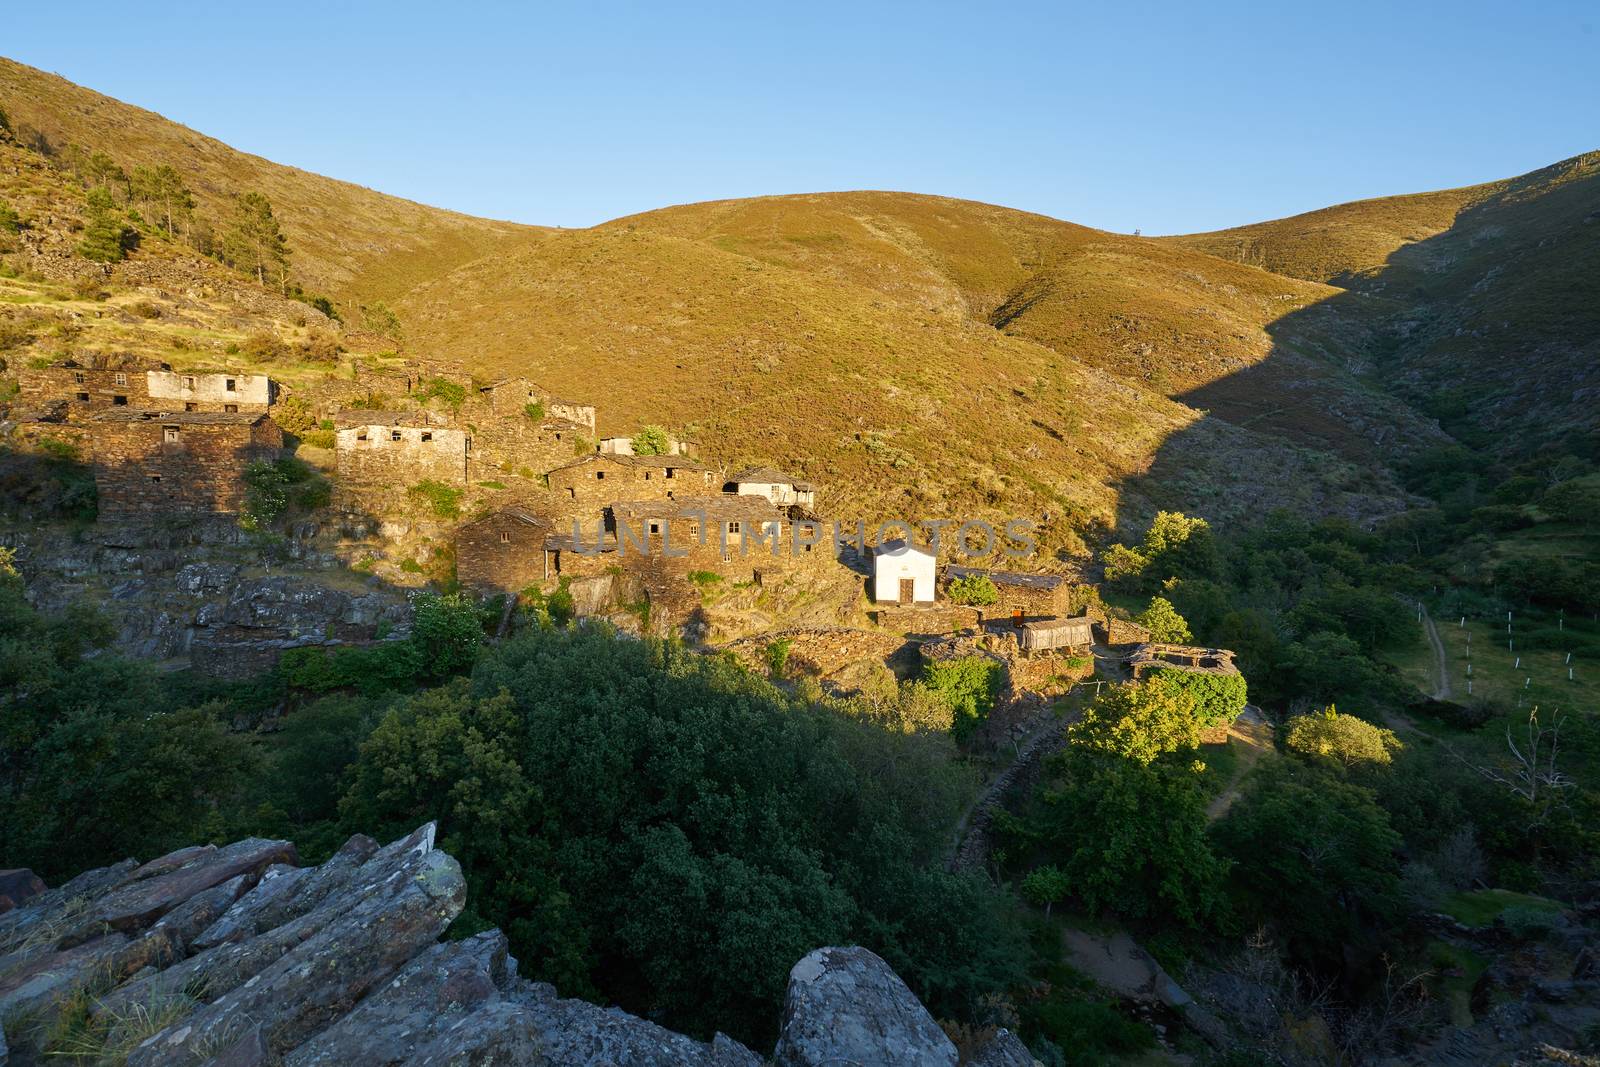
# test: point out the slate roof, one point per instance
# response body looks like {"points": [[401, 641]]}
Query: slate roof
{"points": [[653, 462], [888, 547], [1040, 582], [182, 418]]}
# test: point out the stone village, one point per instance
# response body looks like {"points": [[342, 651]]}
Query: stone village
{"points": [[644, 540]]}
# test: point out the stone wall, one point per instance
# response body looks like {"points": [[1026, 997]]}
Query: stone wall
{"points": [[227, 391], [940, 618], [589, 484], [177, 463], [390, 457], [503, 552], [81, 388]]}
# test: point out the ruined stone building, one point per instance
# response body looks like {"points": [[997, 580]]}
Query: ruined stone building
{"points": [[86, 383], [774, 485], [200, 391], [1033, 596], [587, 485], [623, 446], [393, 449], [149, 463], [510, 397], [505, 551]]}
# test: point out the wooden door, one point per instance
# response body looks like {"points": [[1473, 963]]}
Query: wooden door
{"points": [[908, 590]]}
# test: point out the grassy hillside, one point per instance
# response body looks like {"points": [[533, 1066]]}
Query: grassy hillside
{"points": [[1493, 292], [1338, 245], [855, 359], [345, 239]]}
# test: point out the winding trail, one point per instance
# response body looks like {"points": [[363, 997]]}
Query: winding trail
{"points": [[1441, 663]]}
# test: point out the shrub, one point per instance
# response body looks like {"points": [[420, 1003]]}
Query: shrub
{"points": [[651, 441], [10, 221], [1218, 698], [976, 589], [442, 500], [264, 347], [1340, 739], [969, 685], [1164, 622], [145, 310], [778, 656], [534, 411], [452, 393], [321, 346], [266, 494]]}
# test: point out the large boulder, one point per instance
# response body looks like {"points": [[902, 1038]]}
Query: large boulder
{"points": [[845, 1005], [17, 886]]}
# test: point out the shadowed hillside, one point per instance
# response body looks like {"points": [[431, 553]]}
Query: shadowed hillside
{"points": [[1492, 321], [346, 240]]}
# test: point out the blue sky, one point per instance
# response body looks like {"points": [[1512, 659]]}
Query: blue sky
{"points": [[1163, 117]]}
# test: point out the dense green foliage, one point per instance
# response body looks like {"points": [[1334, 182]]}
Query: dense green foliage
{"points": [[1217, 698], [254, 242], [667, 828], [969, 685], [1342, 739], [651, 441], [975, 589], [441, 500], [107, 237]]}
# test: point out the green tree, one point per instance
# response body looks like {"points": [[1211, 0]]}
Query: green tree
{"points": [[1341, 740], [1178, 546], [100, 170], [1164, 622], [1302, 836], [968, 685], [10, 221], [1045, 886], [448, 630], [162, 187], [106, 236], [978, 589], [671, 832], [652, 441], [1137, 723], [254, 242]]}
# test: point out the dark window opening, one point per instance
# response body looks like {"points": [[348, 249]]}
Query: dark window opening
{"points": [[229, 387], [83, 396], [120, 401], [599, 474], [155, 477], [190, 405], [395, 435], [78, 377], [361, 435], [427, 436], [230, 407]]}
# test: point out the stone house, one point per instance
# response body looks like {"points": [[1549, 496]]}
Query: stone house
{"points": [[588, 484], [222, 391], [903, 573], [505, 551], [669, 545], [773, 484], [85, 384], [149, 463], [400, 448], [510, 397], [1037, 596]]}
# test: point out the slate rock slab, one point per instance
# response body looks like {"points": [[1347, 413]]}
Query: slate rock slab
{"points": [[845, 1005]]}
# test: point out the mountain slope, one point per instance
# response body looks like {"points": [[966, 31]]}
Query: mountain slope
{"points": [[346, 240], [1495, 294]]}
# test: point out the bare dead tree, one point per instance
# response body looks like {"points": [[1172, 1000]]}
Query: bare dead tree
{"points": [[1532, 775]]}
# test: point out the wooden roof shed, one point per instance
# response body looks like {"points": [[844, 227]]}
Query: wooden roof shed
{"points": [[1043, 635]]}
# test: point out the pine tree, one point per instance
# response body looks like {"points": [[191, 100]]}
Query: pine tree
{"points": [[106, 238], [163, 188], [254, 243]]}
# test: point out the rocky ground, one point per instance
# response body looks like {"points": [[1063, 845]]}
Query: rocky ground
{"points": [[238, 957]]}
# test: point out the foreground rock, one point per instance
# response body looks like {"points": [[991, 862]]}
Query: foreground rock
{"points": [[236, 957], [845, 1005]]}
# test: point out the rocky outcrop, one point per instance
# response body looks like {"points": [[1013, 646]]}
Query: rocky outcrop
{"points": [[237, 957], [845, 1005]]}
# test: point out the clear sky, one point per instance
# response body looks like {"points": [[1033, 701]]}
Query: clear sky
{"points": [[1164, 117]]}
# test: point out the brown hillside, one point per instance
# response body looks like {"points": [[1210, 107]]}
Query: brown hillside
{"points": [[345, 240]]}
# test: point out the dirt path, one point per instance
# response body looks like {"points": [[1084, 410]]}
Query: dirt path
{"points": [[1254, 735], [1441, 662]]}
